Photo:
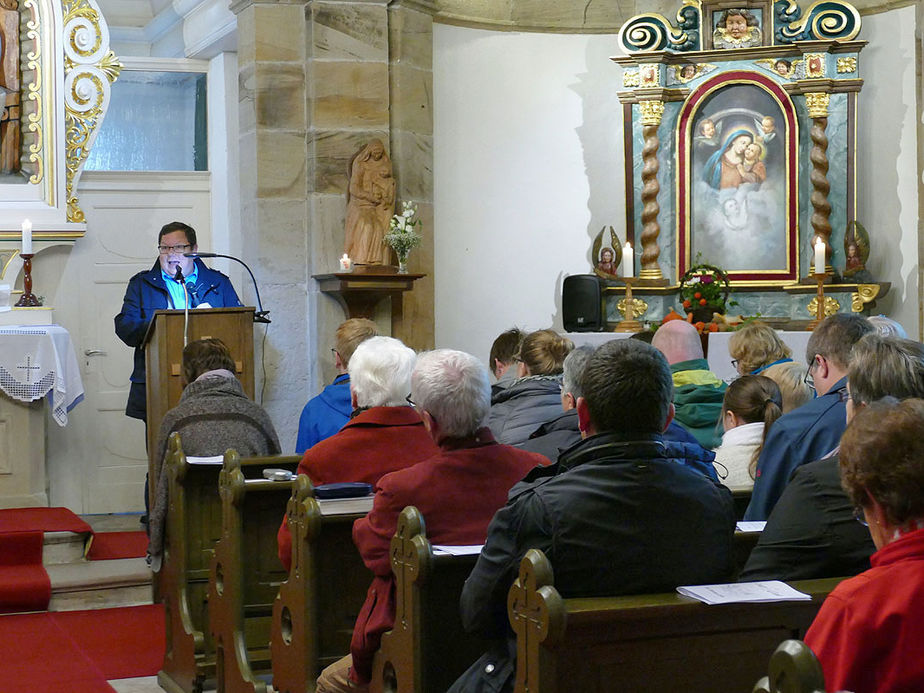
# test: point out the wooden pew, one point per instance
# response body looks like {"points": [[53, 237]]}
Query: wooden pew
{"points": [[742, 498], [427, 649], [193, 527], [244, 577], [649, 642], [317, 606]]}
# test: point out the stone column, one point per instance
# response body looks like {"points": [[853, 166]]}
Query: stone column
{"points": [[410, 30], [274, 200]]}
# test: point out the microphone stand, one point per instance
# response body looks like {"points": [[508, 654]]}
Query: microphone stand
{"points": [[182, 280], [260, 315]]}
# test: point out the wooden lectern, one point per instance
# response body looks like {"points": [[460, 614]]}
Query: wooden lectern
{"points": [[163, 350]]}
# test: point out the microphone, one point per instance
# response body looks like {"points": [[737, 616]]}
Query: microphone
{"points": [[260, 315], [179, 275]]}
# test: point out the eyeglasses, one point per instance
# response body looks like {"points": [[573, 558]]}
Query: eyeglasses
{"points": [[175, 249], [860, 516], [410, 401], [734, 363], [809, 378]]}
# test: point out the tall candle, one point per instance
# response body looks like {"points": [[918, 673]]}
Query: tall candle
{"points": [[628, 261], [345, 263], [26, 237], [819, 256]]}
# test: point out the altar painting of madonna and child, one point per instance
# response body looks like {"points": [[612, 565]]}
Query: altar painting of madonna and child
{"points": [[738, 178]]}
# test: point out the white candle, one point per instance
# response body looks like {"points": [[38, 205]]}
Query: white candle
{"points": [[819, 256], [26, 237], [345, 263], [628, 261]]}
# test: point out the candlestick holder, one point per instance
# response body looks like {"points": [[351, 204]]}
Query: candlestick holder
{"points": [[28, 299], [820, 299], [630, 324]]}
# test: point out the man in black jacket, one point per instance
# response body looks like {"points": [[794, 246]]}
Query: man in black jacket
{"points": [[616, 514]]}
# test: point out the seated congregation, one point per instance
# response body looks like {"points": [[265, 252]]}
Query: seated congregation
{"points": [[605, 473]]}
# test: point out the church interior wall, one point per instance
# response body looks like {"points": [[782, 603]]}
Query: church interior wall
{"points": [[528, 167]]}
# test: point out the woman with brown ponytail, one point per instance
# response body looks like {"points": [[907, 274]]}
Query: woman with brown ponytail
{"points": [[535, 397], [752, 403]]}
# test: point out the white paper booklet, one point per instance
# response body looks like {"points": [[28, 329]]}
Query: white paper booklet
{"points": [[470, 550], [735, 592], [751, 526]]}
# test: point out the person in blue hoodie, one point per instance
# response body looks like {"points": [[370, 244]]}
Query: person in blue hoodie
{"points": [[326, 413]]}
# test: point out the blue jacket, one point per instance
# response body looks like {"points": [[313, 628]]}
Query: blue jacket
{"points": [[146, 293], [325, 414], [803, 435]]}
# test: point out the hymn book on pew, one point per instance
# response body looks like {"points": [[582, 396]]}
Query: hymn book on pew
{"points": [[741, 592]]}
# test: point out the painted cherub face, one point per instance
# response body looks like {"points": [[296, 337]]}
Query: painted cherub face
{"points": [[768, 125], [752, 152], [781, 67], [736, 26], [707, 128]]}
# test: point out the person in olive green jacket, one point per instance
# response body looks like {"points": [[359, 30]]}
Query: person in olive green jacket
{"points": [[698, 392]]}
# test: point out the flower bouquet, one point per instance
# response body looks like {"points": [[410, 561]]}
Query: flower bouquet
{"points": [[704, 291], [402, 236]]}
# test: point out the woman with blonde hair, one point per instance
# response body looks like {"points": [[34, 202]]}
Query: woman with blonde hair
{"points": [[535, 396], [752, 403], [790, 378], [755, 347]]}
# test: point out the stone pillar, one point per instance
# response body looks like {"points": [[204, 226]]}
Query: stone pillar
{"points": [[274, 200], [410, 29]]}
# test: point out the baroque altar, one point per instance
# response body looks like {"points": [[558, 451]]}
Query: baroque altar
{"points": [[740, 124]]}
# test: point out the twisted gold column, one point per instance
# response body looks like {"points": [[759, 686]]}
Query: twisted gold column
{"points": [[651, 230], [821, 226]]}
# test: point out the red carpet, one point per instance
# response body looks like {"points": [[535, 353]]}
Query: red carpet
{"points": [[24, 584], [77, 651], [41, 520], [110, 545]]}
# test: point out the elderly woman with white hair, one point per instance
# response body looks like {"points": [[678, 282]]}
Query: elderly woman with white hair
{"points": [[384, 433], [457, 491]]}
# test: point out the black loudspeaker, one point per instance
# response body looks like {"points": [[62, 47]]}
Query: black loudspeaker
{"points": [[581, 303]]}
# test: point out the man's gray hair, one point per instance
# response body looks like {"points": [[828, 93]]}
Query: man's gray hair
{"points": [[885, 366], [454, 388], [573, 368], [380, 372], [835, 337]]}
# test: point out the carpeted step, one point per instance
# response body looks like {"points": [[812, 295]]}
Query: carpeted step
{"points": [[99, 584], [64, 547]]}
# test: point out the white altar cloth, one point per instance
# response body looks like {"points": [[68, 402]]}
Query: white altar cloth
{"points": [[39, 360]]}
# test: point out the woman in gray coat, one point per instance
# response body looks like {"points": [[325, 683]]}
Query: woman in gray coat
{"points": [[535, 396]]}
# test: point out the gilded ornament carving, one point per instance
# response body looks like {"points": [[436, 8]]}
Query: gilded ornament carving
{"points": [[865, 293], [651, 112], [90, 68], [846, 65], [831, 306], [34, 93], [817, 103], [639, 308], [630, 78]]}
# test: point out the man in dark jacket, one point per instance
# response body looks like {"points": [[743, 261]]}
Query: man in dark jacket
{"points": [[161, 288], [599, 513]]}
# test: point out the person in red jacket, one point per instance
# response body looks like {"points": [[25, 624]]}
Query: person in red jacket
{"points": [[384, 433], [868, 632], [457, 491]]}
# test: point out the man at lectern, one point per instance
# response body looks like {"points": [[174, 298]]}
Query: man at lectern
{"points": [[170, 283]]}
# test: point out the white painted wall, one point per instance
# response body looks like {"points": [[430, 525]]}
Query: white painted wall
{"points": [[528, 165], [527, 169], [887, 159]]}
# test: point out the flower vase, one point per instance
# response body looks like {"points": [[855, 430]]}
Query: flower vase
{"points": [[402, 263]]}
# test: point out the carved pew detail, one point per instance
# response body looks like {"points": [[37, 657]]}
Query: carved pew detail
{"points": [[794, 668], [242, 589], [316, 607], [645, 642], [193, 525], [427, 649]]}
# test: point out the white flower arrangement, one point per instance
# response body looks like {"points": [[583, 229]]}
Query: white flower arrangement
{"points": [[402, 236]]}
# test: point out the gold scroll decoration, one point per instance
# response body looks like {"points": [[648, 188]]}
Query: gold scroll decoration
{"points": [[639, 308], [651, 112], [865, 293], [831, 306], [90, 68], [33, 91]]}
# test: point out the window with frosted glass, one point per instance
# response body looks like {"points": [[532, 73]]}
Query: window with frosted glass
{"points": [[156, 122]]}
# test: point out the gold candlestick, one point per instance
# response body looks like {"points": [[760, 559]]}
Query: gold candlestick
{"points": [[28, 299], [820, 298], [630, 324]]}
